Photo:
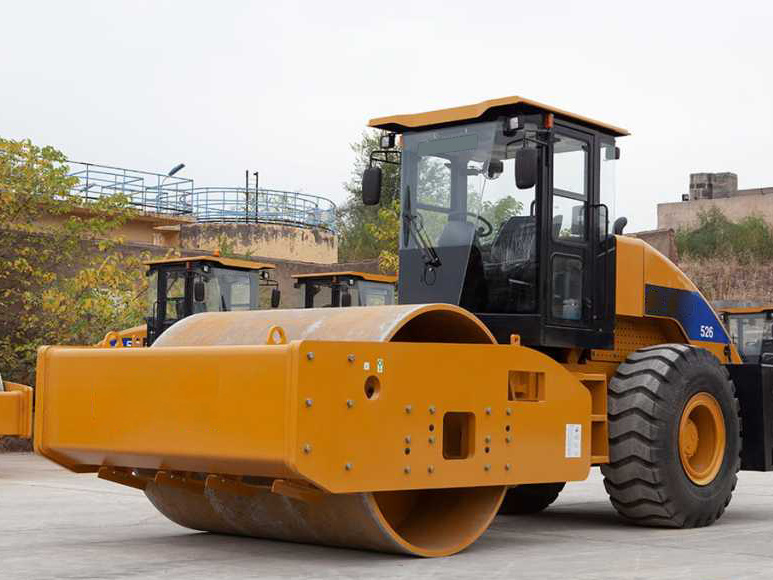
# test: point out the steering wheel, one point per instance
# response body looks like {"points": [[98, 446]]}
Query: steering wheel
{"points": [[483, 233]]}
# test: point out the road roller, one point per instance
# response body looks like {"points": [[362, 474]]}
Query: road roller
{"points": [[531, 341], [346, 288], [183, 286]]}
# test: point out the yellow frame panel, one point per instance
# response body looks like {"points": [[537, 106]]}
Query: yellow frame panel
{"points": [[299, 411], [16, 410]]}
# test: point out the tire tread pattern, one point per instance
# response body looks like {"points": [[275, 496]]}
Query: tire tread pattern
{"points": [[634, 478]]}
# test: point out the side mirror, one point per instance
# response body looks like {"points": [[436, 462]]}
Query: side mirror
{"points": [[371, 186], [276, 296], [346, 299], [494, 168], [199, 291], [526, 168]]}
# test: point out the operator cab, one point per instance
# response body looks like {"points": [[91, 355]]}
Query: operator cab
{"points": [[180, 287], [750, 329], [336, 289], [506, 209]]}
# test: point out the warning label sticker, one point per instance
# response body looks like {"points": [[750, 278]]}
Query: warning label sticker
{"points": [[573, 440]]}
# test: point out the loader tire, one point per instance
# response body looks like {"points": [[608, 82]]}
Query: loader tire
{"points": [[674, 437], [530, 498]]}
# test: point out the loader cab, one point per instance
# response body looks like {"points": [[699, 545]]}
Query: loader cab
{"points": [[506, 210], [341, 289], [180, 287], [751, 330]]}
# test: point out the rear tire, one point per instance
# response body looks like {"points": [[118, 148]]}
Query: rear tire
{"points": [[651, 477], [530, 498]]}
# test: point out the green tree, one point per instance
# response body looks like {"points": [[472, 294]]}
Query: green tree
{"points": [[358, 240], [387, 231], [62, 280], [499, 211]]}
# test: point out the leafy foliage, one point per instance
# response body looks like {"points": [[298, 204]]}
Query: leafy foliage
{"points": [[387, 231], [718, 237], [62, 280], [499, 211], [358, 224]]}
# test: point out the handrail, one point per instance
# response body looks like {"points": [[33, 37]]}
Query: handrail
{"points": [[176, 196]]}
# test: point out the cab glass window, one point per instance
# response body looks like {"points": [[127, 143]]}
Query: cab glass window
{"points": [[567, 288], [175, 295], [608, 196], [570, 162]]}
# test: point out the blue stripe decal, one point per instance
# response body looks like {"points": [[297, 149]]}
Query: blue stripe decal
{"points": [[689, 308]]}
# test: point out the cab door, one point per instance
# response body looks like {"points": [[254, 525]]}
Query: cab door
{"points": [[567, 291]]}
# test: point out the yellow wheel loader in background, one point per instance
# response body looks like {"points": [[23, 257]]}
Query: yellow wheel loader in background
{"points": [[335, 289], [528, 346], [181, 287], [750, 328]]}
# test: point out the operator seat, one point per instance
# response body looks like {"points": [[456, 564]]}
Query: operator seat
{"points": [[512, 271]]}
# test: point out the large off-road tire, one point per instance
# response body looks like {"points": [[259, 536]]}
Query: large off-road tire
{"points": [[530, 498], [674, 437]]}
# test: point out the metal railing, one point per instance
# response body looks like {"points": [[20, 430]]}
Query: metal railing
{"points": [[147, 192], [161, 194], [239, 204]]}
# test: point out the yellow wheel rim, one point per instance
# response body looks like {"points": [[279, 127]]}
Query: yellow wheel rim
{"points": [[702, 438]]}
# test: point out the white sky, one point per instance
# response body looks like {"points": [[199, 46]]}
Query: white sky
{"points": [[284, 87]]}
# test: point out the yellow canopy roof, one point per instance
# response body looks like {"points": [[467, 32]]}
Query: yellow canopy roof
{"points": [[227, 262], [363, 275], [483, 110]]}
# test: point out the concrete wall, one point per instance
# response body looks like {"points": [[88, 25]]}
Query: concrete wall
{"points": [[664, 241], [742, 204], [277, 242], [157, 229]]}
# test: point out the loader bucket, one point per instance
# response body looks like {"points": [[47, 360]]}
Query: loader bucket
{"points": [[353, 427]]}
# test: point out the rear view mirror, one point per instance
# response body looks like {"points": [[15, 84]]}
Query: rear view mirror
{"points": [[494, 168], [346, 299], [276, 296], [526, 168], [371, 186], [199, 291]]}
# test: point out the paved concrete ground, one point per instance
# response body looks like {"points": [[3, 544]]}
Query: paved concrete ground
{"points": [[54, 524]]}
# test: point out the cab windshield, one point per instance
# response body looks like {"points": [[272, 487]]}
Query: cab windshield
{"points": [[228, 290], [467, 231], [329, 294], [750, 332], [375, 293]]}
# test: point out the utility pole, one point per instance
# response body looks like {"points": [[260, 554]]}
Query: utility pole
{"points": [[257, 175], [247, 196]]}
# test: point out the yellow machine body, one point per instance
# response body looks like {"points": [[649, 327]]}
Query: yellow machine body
{"points": [[16, 410], [639, 265], [274, 408]]}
